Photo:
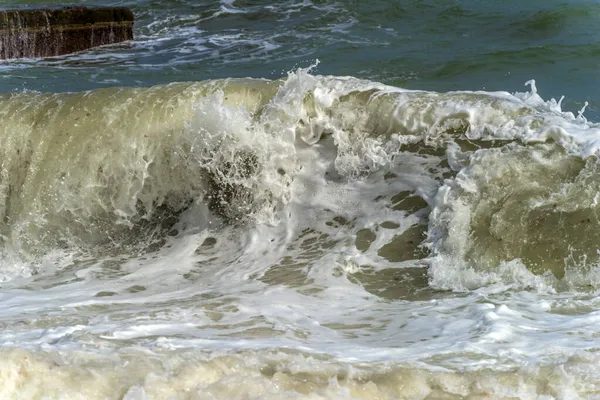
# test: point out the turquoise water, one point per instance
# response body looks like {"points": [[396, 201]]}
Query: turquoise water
{"points": [[306, 199]]}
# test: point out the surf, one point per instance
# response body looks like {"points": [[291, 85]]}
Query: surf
{"points": [[497, 174]]}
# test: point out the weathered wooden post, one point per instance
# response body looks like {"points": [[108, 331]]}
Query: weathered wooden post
{"points": [[53, 32]]}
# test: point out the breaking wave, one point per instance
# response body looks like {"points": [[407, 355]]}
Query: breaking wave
{"points": [[480, 187]]}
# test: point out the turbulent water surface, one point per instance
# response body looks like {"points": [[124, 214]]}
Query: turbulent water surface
{"points": [[327, 200]]}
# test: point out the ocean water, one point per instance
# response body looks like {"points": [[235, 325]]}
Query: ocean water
{"points": [[306, 200]]}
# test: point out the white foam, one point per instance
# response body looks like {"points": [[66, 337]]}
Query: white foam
{"points": [[286, 303]]}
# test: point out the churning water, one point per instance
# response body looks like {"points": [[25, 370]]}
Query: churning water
{"points": [[205, 225]]}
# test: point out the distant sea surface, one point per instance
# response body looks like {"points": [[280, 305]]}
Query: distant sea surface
{"points": [[317, 199]]}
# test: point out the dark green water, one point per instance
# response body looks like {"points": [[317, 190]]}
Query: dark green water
{"points": [[430, 45]]}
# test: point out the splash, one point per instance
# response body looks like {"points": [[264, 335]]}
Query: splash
{"points": [[498, 174]]}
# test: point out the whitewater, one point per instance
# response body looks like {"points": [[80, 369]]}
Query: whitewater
{"points": [[208, 212], [308, 237]]}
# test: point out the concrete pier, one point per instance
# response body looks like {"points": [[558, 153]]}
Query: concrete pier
{"points": [[53, 32]]}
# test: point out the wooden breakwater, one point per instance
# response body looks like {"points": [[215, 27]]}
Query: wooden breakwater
{"points": [[53, 32]]}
